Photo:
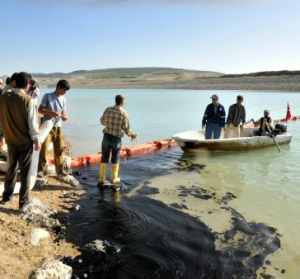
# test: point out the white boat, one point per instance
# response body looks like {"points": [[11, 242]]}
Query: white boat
{"points": [[248, 140]]}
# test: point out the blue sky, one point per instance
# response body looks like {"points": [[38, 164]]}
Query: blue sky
{"points": [[222, 35]]}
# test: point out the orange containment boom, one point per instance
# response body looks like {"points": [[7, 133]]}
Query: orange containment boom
{"points": [[127, 152]]}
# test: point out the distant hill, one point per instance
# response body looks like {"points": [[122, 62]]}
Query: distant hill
{"points": [[128, 77], [131, 73], [173, 78], [264, 74]]}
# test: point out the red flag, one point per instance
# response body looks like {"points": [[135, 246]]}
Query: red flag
{"points": [[288, 113]]}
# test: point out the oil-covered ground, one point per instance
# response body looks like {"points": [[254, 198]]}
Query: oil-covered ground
{"points": [[165, 224]]}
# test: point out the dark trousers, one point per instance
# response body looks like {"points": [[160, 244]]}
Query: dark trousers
{"points": [[19, 156], [111, 147], [213, 131]]}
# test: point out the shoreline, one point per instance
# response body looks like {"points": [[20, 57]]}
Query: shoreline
{"points": [[277, 91], [20, 256], [289, 83]]}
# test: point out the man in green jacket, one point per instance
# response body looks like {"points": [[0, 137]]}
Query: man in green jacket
{"points": [[236, 119]]}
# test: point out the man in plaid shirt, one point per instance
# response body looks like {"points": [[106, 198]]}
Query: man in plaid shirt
{"points": [[116, 123]]}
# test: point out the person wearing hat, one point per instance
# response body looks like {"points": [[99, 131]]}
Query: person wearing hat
{"points": [[236, 119], [214, 119]]}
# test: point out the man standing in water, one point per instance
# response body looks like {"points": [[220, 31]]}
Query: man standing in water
{"points": [[18, 118], [236, 119], [116, 122], [53, 107], [214, 119]]}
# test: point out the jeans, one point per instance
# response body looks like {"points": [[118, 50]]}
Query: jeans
{"points": [[213, 131], [111, 147], [19, 156]]}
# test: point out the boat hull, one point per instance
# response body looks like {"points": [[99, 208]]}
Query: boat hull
{"points": [[239, 144]]}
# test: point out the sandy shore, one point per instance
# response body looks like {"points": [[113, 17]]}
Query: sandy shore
{"points": [[18, 257]]}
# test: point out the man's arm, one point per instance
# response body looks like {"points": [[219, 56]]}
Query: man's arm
{"points": [[204, 119], [33, 124], [230, 115], [47, 112], [243, 115], [104, 118], [223, 117], [126, 127], [44, 108], [64, 114]]}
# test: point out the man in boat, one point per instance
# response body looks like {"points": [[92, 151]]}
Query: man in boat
{"points": [[236, 118], [19, 121], [214, 119], [265, 125], [54, 107], [116, 122]]}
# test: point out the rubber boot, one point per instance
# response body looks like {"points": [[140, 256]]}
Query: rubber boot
{"points": [[115, 175], [102, 174]]}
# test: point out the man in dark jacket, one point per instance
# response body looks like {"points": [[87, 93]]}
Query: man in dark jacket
{"points": [[236, 119], [214, 119]]}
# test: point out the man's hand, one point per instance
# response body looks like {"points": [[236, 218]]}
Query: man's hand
{"points": [[36, 145], [53, 114], [64, 116]]}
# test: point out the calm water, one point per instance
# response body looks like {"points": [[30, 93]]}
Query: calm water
{"points": [[159, 113], [266, 183]]}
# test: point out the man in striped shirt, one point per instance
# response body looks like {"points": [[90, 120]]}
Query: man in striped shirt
{"points": [[116, 122]]}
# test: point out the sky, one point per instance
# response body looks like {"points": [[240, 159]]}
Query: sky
{"points": [[229, 36]]}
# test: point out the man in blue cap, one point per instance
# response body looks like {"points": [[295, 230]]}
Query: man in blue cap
{"points": [[214, 119]]}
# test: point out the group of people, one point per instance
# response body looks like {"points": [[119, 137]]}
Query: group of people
{"points": [[214, 120], [20, 122], [20, 119]]}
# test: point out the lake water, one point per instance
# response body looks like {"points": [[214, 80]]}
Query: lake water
{"points": [[159, 114], [265, 182]]}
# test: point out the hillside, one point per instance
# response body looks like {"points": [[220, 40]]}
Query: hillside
{"points": [[125, 77], [172, 78]]}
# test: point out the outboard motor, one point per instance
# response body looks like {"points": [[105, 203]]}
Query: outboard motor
{"points": [[280, 129]]}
